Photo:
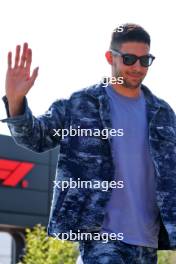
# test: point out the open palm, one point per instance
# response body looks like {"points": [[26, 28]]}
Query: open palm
{"points": [[18, 79]]}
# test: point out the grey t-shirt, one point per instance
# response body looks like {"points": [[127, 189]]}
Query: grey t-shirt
{"points": [[132, 210]]}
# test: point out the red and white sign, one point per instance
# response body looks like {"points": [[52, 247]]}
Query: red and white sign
{"points": [[12, 172]]}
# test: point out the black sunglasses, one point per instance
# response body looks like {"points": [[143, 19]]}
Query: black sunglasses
{"points": [[130, 59]]}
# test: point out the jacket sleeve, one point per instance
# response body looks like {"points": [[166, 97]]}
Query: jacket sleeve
{"points": [[173, 119], [37, 133]]}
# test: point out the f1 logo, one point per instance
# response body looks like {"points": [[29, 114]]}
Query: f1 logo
{"points": [[12, 172]]}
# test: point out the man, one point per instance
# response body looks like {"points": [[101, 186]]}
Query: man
{"points": [[141, 157]]}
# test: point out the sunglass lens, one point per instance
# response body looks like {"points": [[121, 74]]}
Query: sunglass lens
{"points": [[146, 61], [129, 59]]}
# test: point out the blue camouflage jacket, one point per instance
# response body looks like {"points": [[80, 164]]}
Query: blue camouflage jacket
{"points": [[90, 158]]}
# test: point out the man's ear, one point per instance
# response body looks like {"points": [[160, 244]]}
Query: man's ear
{"points": [[108, 56]]}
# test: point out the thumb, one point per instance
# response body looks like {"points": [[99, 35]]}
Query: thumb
{"points": [[34, 76]]}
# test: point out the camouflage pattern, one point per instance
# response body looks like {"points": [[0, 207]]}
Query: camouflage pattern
{"points": [[116, 252], [90, 158]]}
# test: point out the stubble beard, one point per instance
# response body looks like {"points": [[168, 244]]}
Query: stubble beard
{"points": [[128, 84]]}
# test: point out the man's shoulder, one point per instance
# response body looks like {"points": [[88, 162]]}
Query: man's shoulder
{"points": [[164, 104], [81, 95], [156, 100], [166, 111], [88, 91]]}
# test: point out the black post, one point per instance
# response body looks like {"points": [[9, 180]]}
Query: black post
{"points": [[18, 246]]}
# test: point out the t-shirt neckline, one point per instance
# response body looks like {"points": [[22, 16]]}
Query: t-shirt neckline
{"points": [[127, 98]]}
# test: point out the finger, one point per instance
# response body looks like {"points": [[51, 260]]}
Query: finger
{"points": [[23, 57], [33, 77], [17, 55], [28, 60], [9, 60]]}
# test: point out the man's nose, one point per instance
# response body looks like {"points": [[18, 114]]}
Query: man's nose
{"points": [[137, 65]]}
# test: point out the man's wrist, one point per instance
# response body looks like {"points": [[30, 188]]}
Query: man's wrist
{"points": [[15, 107]]}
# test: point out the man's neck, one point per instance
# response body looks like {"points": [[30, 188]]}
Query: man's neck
{"points": [[129, 92]]}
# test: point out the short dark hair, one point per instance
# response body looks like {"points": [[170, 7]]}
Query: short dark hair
{"points": [[131, 32]]}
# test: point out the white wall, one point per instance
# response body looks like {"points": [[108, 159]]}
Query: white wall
{"points": [[5, 248]]}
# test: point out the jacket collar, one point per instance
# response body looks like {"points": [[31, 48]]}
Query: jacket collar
{"points": [[98, 90]]}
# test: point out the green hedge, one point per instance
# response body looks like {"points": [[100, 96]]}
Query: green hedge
{"points": [[42, 249], [166, 257]]}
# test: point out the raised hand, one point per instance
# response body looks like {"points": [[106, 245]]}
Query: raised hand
{"points": [[18, 79]]}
